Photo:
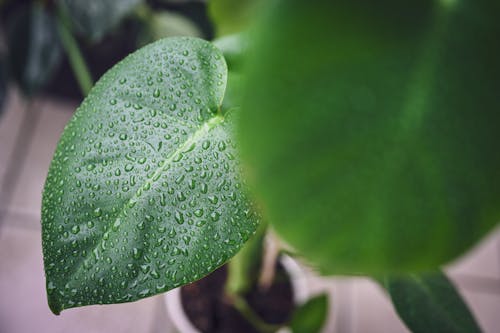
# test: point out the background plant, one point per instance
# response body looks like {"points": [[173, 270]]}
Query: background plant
{"points": [[371, 141]]}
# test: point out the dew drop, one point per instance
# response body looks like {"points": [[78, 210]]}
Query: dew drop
{"points": [[98, 212]]}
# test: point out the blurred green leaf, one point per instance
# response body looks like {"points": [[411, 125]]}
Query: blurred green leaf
{"points": [[94, 18], [144, 191], [370, 129], [429, 303], [233, 48], [310, 317], [232, 97], [34, 47], [166, 24], [231, 16]]}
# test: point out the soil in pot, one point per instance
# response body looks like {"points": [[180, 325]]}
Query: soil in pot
{"points": [[205, 306]]}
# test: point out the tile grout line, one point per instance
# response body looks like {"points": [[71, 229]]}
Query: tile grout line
{"points": [[17, 157]]}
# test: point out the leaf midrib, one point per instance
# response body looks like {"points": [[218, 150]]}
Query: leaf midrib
{"points": [[191, 139], [435, 301]]}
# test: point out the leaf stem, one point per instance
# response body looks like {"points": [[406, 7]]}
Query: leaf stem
{"points": [[246, 311], [242, 268], [241, 278], [76, 60]]}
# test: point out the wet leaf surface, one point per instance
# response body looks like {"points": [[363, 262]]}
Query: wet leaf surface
{"points": [[144, 192]]}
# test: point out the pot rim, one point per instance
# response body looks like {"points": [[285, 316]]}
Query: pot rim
{"points": [[182, 323]]}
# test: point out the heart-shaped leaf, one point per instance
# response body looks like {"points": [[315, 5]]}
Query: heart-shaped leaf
{"points": [[144, 194], [94, 18], [371, 129], [34, 47], [429, 303]]}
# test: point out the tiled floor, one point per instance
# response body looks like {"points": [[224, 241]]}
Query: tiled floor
{"points": [[357, 305]]}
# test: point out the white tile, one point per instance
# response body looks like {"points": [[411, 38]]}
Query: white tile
{"points": [[27, 196], [23, 305], [486, 308], [372, 310], [340, 313], [10, 119]]}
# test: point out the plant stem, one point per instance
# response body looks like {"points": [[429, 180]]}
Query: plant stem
{"points": [[75, 56], [269, 259], [243, 274], [243, 267], [244, 308]]}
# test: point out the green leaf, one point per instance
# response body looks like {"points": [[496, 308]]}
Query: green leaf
{"points": [[231, 16], [95, 18], [430, 303], [144, 192], [34, 47], [310, 316], [166, 24], [233, 47], [370, 129]]}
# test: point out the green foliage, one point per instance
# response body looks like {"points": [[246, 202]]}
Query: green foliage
{"points": [[429, 303], [369, 132], [370, 129], [34, 47], [231, 16], [164, 24], [310, 317], [244, 267], [94, 18], [233, 47], [144, 193]]}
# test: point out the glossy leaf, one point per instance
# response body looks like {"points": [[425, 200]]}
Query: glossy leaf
{"points": [[374, 144], [429, 303], [310, 316], [34, 47], [95, 18], [143, 194]]}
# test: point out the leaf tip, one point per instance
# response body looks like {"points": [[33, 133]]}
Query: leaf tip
{"points": [[54, 306]]}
